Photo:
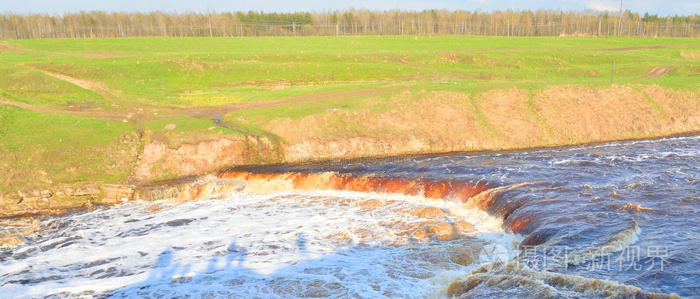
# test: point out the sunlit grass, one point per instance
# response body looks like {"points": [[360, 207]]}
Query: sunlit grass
{"points": [[69, 148], [185, 72], [308, 75]]}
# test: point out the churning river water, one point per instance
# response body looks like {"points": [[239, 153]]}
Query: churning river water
{"points": [[618, 219]]}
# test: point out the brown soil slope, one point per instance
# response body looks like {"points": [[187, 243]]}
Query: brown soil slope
{"points": [[495, 120], [416, 123]]}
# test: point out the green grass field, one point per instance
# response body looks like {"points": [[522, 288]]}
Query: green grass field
{"points": [[67, 100]]}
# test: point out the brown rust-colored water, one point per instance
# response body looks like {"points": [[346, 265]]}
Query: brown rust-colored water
{"points": [[607, 220], [626, 212]]}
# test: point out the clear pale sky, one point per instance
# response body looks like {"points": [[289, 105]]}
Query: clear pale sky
{"points": [[661, 7]]}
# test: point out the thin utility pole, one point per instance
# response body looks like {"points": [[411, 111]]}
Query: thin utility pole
{"points": [[612, 73], [619, 25]]}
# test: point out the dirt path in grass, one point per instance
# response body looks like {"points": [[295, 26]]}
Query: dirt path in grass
{"points": [[139, 112], [637, 48], [144, 113], [105, 93], [221, 110], [85, 84], [657, 72], [12, 48], [108, 114]]}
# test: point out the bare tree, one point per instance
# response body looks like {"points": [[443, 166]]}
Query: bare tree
{"points": [[347, 22]]}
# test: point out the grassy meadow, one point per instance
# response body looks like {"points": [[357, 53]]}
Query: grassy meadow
{"points": [[73, 109]]}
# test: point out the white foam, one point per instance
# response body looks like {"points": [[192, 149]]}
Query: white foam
{"points": [[616, 243], [278, 245]]}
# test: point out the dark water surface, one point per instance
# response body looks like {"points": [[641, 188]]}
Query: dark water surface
{"points": [[624, 211]]}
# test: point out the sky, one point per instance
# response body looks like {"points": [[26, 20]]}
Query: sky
{"points": [[661, 7]]}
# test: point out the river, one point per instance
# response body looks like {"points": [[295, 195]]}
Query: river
{"points": [[613, 219]]}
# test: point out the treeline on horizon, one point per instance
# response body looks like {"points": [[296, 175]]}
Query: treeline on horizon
{"points": [[348, 22]]}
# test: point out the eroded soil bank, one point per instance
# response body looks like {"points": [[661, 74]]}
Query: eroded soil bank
{"points": [[428, 122], [495, 120], [437, 122]]}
